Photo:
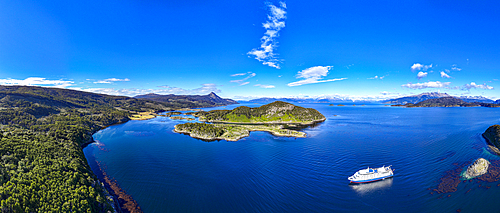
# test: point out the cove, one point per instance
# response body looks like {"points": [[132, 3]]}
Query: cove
{"points": [[169, 172]]}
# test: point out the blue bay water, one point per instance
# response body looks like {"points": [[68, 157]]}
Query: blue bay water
{"points": [[170, 172]]}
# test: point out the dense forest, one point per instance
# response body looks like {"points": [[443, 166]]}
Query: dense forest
{"points": [[275, 112], [42, 166], [202, 130]]}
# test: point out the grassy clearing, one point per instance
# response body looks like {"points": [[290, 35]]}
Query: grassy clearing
{"points": [[143, 116]]}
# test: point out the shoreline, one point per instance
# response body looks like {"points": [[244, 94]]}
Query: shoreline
{"points": [[122, 201], [264, 123], [275, 133], [491, 145]]}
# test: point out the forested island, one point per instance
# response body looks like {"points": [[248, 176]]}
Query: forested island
{"points": [[447, 102], [43, 130], [276, 112], [235, 124]]}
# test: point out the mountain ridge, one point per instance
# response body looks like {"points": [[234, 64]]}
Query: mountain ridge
{"points": [[188, 101], [414, 99]]}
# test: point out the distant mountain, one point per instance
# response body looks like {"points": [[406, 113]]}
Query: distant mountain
{"points": [[433, 95], [497, 102], [444, 102], [188, 101], [309, 100], [447, 102], [416, 98], [478, 99]]}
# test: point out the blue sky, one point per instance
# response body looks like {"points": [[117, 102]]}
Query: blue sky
{"points": [[245, 49]]}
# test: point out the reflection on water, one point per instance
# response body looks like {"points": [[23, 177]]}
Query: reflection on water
{"points": [[140, 133], [365, 188]]}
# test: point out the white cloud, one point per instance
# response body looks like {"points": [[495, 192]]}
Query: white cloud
{"points": [[203, 90], [444, 75], [110, 80], [264, 86], [473, 85], [36, 81], [313, 75], [421, 75], [418, 67], [430, 84], [276, 21], [377, 77], [243, 81]]}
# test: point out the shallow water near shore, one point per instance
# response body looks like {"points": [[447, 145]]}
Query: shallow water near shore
{"points": [[170, 172]]}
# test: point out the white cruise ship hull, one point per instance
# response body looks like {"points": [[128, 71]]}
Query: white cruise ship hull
{"points": [[371, 175]]}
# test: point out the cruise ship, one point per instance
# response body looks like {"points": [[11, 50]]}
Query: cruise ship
{"points": [[372, 174]]}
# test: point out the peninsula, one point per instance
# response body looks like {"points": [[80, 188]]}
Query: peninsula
{"points": [[235, 124]]}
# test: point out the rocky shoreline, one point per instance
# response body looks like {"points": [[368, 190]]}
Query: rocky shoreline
{"points": [[119, 200], [269, 122], [241, 131], [492, 136]]}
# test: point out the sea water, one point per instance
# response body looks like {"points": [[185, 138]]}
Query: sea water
{"points": [[170, 172]]}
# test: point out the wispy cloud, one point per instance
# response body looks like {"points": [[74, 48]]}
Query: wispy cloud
{"points": [[243, 81], [473, 85], [203, 90], [421, 75], [313, 75], [275, 22], [455, 68], [36, 81], [264, 86], [430, 84], [110, 80], [377, 77], [418, 67], [444, 75], [239, 74]]}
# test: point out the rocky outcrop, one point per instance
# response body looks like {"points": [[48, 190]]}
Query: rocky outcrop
{"points": [[478, 168], [492, 136]]}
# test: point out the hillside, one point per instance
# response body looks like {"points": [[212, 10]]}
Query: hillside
{"points": [[276, 112], [43, 168], [188, 101]]}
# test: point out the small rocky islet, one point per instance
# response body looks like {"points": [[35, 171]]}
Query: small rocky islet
{"points": [[478, 168], [481, 169]]}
